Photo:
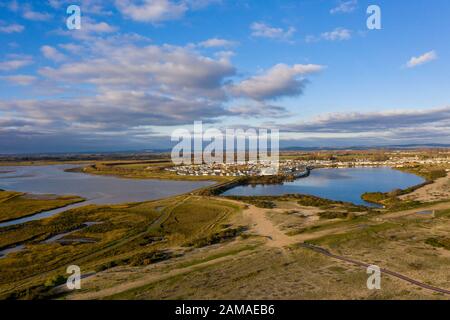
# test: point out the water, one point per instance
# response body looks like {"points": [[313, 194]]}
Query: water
{"points": [[96, 189], [342, 184], [56, 238], [5, 252]]}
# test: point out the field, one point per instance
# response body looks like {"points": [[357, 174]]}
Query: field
{"points": [[210, 247], [132, 234], [259, 267], [14, 205], [144, 170]]}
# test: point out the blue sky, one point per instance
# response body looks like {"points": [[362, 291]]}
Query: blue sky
{"points": [[137, 70]]}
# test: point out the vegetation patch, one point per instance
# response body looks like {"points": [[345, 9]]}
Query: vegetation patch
{"points": [[335, 215], [147, 258], [219, 237], [269, 202], [439, 242], [15, 205], [391, 200]]}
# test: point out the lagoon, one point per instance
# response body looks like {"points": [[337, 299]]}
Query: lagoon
{"points": [[341, 184], [96, 189]]}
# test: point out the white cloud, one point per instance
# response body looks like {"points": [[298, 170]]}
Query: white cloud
{"points": [[281, 80], [263, 30], [257, 109], [338, 34], [90, 26], [217, 42], [129, 86], [21, 79], [89, 31], [345, 7], [426, 57], [71, 47], [376, 122], [13, 6], [12, 28], [16, 62], [30, 14], [52, 54], [152, 10], [200, 4]]}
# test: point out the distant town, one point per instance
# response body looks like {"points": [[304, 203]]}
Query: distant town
{"points": [[291, 168], [299, 168]]}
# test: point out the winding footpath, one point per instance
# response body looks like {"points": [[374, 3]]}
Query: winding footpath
{"points": [[383, 270], [276, 238]]}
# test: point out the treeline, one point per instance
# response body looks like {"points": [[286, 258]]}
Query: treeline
{"points": [[391, 199], [243, 181], [301, 199]]}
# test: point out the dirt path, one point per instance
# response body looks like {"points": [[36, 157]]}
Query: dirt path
{"points": [[264, 227], [145, 280], [261, 225], [399, 214], [439, 190], [383, 270]]}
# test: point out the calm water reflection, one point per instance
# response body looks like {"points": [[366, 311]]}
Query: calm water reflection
{"points": [[343, 184], [96, 189]]}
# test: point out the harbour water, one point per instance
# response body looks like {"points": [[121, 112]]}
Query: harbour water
{"points": [[95, 189], [341, 184]]}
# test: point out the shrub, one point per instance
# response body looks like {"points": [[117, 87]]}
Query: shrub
{"points": [[144, 259], [333, 215], [439, 243], [219, 237], [55, 281]]}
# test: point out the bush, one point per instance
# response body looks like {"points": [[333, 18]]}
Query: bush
{"points": [[333, 215], [439, 243], [107, 266], [55, 281], [144, 259], [219, 237]]}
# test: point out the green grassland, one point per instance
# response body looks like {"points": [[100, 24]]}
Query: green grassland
{"points": [[298, 273], [130, 234], [301, 199], [202, 247], [246, 269], [391, 199], [144, 170], [199, 247], [14, 205]]}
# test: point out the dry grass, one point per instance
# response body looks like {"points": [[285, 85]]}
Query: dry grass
{"points": [[14, 205]]}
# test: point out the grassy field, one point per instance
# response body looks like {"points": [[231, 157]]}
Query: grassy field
{"points": [[144, 170], [392, 200], [247, 269], [204, 247], [132, 234], [14, 205], [192, 247]]}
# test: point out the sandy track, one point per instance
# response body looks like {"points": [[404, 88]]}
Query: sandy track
{"points": [[265, 228], [438, 190], [260, 224], [145, 280], [399, 214]]}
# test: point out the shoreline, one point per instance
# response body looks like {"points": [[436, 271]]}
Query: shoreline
{"points": [[217, 189]]}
